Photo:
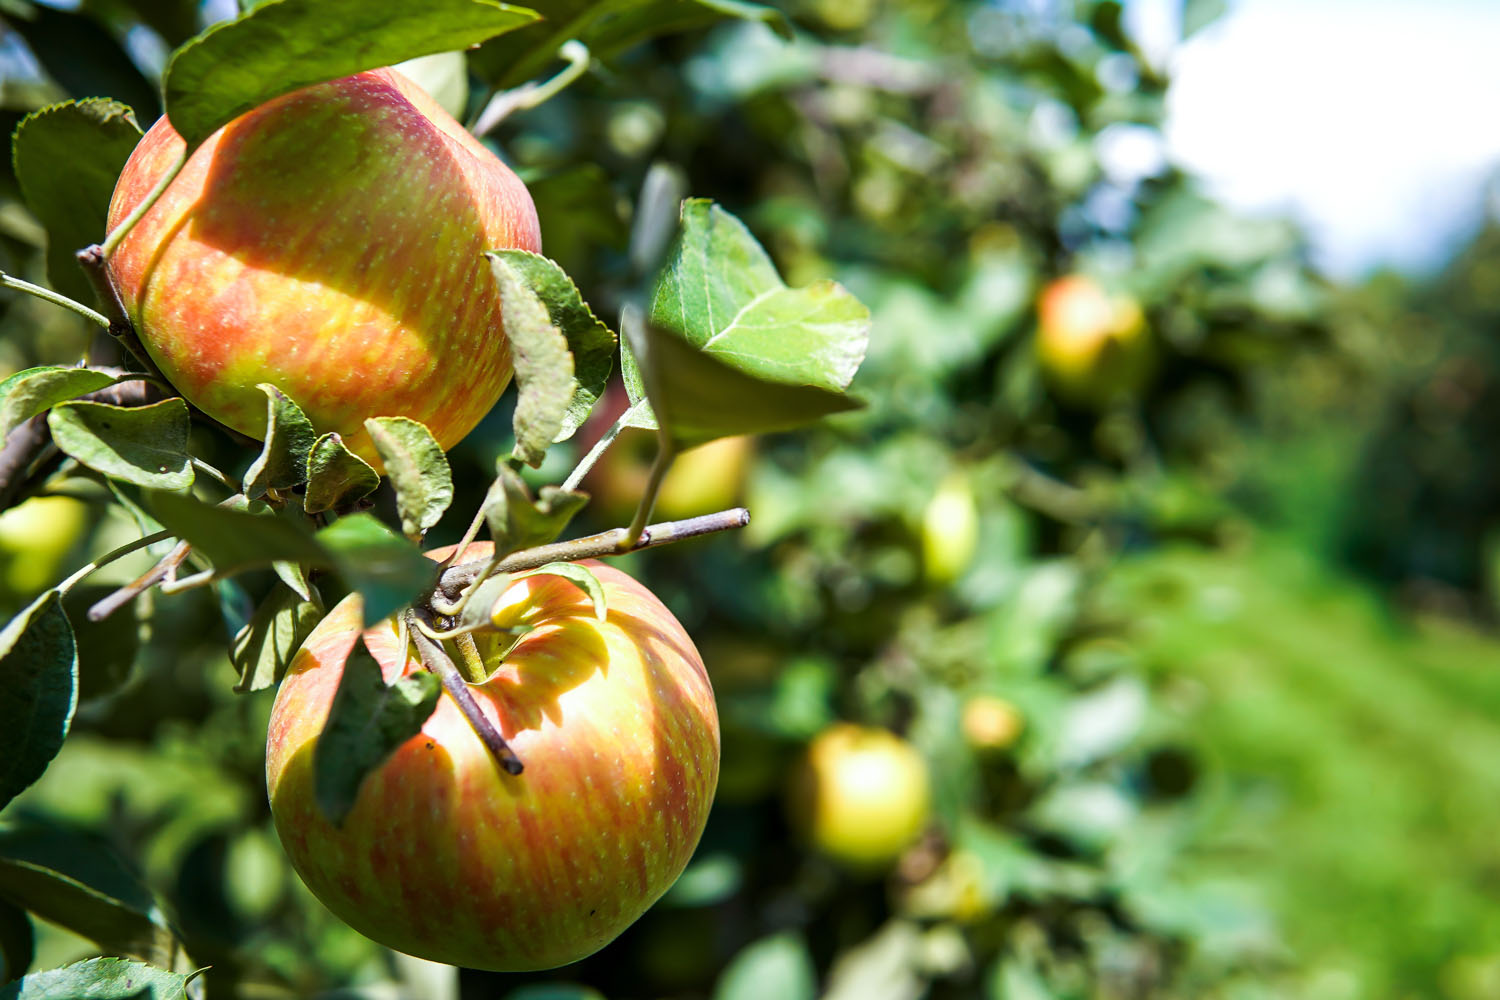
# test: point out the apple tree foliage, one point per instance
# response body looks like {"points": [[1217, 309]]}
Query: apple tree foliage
{"points": [[722, 193]]}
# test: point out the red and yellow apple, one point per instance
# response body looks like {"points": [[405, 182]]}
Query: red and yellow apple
{"points": [[991, 723], [446, 856], [1093, 346], [330, 243], [861, 796]]}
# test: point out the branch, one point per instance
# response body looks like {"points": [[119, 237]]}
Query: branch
{"points": [[92, 260], [440, 663], [605, 543]]}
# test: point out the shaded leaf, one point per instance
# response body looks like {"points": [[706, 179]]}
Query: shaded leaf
{"points": [[336, 477], [579, 574], [579, 212], [17, 942], [543, 364], [516, 521], [282, 45], [591, 343], [142, 445], [701, 398], [106, 649], [294, 575], [38, 691], [282, 462], [36, 390], [417, 468], [236, 539], [777, 966], [387, 570], [263, 648], [367, 721], [79, 883], [100, 979], [66, 158]]}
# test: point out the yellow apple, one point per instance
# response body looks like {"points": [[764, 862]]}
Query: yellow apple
{"points": [[861, 796], [1093, 346]]}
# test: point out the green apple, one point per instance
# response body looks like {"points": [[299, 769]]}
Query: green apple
{"points": [[445, 855], [331, 243]]}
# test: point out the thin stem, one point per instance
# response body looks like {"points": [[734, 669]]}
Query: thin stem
{"points": [[92, 259], [113, 602], [440, 663], [530, 95], [213, 473], [473, 663], [468, 539], [56, 298], [111, 556], [665, 455], [456, 608], [605, 543], [201, 579], [112, 241], [587, 462]]}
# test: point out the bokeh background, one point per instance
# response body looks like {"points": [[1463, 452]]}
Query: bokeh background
{"points": [[1201, 662]]}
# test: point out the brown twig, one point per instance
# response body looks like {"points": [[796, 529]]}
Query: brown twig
{"points": [[168, 564], [440, 663], [605, 543], [91, 259]]}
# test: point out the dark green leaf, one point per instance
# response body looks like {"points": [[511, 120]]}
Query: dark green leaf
{"points": [[701, 398], [579, 574], [606, 28], [386, 569], [543, 364], [336, 477], [36, 390], [100, 979], [236, 539], [66, 158], [591, 343], [368, 720], [142, 445], [38, 691], [264, 647], [79, 883], [721, 293], [516, 521], [174, 20], [282, 45], [579, 211], [417, 468], [777, 966], [17, 942], [106, 649], [282, 462], [85, 58]]}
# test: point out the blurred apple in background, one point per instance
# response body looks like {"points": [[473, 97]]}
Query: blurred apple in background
{"points": [[861, 796], [35, 539], [991, 723], [950, 529], [1093, 346]]}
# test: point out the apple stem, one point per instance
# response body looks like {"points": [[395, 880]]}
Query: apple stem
{"points": [[473, 663], [112, 241], [586, 463], [56, 298], [665, 455], [530, 95], [605, 543], [110, 556], [440, 663], [91, 259]]}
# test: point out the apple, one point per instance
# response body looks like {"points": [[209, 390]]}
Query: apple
{"points": [[446, 856], [330, 243], [861, 796], [35, 539], [1093, 347], [990, 723], [950, 529]]}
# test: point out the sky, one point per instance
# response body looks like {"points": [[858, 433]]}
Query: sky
{"points": [[1376, 123]]}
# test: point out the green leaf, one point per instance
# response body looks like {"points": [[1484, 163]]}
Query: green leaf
{"points": [[579, 574], [38, 691], [721, 293], [106, 649], [294, 575], [476, 612], [282, 462], [516, 521], [36, 390], [777, 966], [263, 648], [700, 398], [17, 942], [283, 45], [417, 469], [606, 28], [79, 883], [336, 477], [368, 720], [237, 539], [386, 569], [591, 343], [66, 158], [554, 991], [543, 364], [640, 413], [142, 445], [100, 979]]}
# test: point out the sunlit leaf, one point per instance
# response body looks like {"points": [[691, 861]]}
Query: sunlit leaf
{"points": [[142, 445], [387, 570], [417, 468], [282, 462], [543, 364], [100, 979], [36, 390], [264, 647], [336, 477]]}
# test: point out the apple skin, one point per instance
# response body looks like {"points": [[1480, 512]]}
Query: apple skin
{"points": [[862, 796], [1093, 347], [330, 243], [444, 855]]}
